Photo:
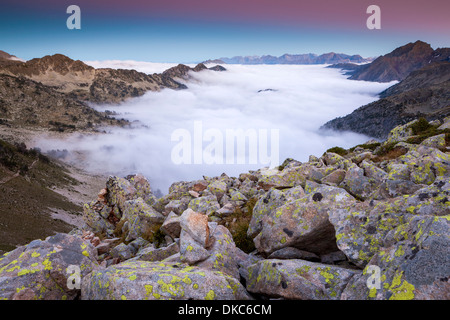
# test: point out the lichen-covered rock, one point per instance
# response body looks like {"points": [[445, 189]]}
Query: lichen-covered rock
{"points": [[122, 252], [142, 280], [400, 133], [373, 172], [430, 200], [38, 270], [359, 157], [151, 253], [357, 184], [298, 279], [143, 189], [224, 256], [394, 188], [176, 206], [206, 204], [218, 188], [171, 226], [425, 164], [248, 188], [360, 229], [221, 252], [445, 124], [414, 266], [303, 223], [191, 250], [93, 218], [143, 220], [437, 141], [331, 159], [398, 171], [237, 196], [119, 191], [266, 203], [293, 253], [287, 178], [334, 178]]}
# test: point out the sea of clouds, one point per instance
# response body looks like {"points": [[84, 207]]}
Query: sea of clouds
{"points": [[300, 99]]}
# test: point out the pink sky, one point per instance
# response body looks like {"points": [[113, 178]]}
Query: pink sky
{"points": [[397, 15]]}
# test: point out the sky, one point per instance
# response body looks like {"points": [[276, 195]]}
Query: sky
{"points": [[187, 31]]}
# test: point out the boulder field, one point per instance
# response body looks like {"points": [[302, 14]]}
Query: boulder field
{"points": [[371, 222]]}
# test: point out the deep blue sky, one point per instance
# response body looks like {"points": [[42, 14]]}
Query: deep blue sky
{"points": [[196, 30]]}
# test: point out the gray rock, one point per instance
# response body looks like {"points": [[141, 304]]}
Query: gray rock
{"points": [[143, 189], [357, 184], [298, 279], [398, 171], [435, 141], [142, 280], [137, 244], [143, 220], [171, 226], [222, 252], [191, 251], [39, 270], [122, 252], [176, 206], [360, 229], [266, 203], [218, 188], [293, 253], [303, 223], [157, 254], [289, 177], [205, 204], [119, 191], [373, 172], [331, 159], [333, 257], [334, 178], [415, 266], [92, 217]]}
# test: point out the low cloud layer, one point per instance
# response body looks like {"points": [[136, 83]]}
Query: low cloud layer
{"points": [[292, 100]]}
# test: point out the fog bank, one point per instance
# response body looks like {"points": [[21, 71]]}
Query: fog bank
{"points": [[293, 100]]}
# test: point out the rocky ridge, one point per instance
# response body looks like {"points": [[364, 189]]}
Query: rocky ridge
{"points": [[53, 92], [398, 64], [313, 230], [423, 93], [83, 82]]}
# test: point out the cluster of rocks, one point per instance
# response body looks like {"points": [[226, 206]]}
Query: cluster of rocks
{"points": [[320, 229]]}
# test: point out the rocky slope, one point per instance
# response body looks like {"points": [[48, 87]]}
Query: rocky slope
{"points": [[313, 230], [5, 56], [39, 195], [424, 92], [27, 103], [51, 92], [310, 58]]}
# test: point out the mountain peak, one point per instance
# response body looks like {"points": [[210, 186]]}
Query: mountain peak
{"points": [[6, 56], [397, 64]]}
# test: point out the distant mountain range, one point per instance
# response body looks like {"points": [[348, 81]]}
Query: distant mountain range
{"points": [[309, 58], [424, 90]]}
